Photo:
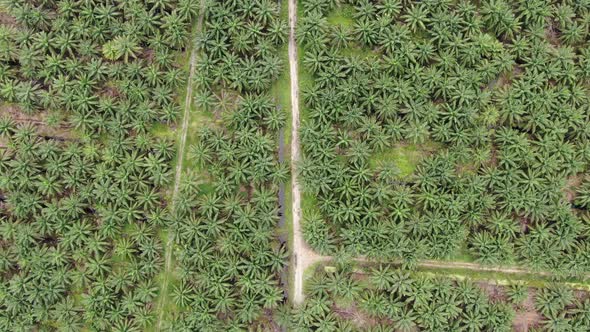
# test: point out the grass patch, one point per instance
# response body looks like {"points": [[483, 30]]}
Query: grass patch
{"points": [[309, 202], [168, 306], [462, 255], [405, 156], [161, 130], [361, 52], [342, 15], [306, 81]]}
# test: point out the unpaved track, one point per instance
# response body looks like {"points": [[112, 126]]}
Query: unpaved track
{"points": [[178, 172], [479, 267], [459, 265], [303, 256]]}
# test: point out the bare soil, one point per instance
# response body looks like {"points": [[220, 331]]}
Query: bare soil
{"points": [[552, 35], [524, 223], [148, 54], [495, 293], [6, 19], [39, 120], [572, 184], [355, 315], [527, 317]]}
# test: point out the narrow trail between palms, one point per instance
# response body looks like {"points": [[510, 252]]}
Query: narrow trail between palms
{"points": [[178, 171], [303, 256]]}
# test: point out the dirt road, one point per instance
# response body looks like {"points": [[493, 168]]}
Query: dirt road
{"points": [[460, 265], [303, 257], [178, 171], [479, 267]]}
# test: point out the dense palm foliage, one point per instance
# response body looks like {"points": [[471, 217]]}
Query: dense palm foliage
{"points": [[229, 255], [383, 298], [562, 310], [78, 230], [386, 299], [80, 210], [499, 86]]}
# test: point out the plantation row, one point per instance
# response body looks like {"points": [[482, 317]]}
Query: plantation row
{"points": [[82, 83], [497, 89], [229, 256], [387, 299]]}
